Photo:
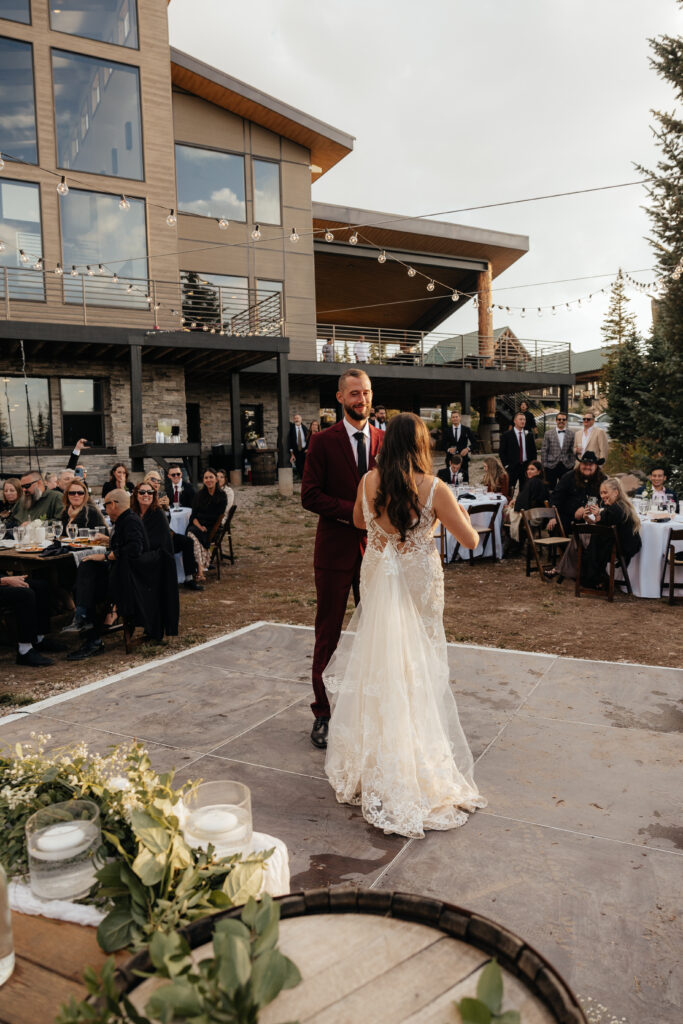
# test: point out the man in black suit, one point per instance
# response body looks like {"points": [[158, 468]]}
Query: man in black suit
{"points": [[297, 444], [517, 450], [452, 474], [459, 439], [180, 493], [177, 491]]}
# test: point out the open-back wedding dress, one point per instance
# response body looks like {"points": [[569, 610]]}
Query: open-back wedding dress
{"points": [[395, 743]]}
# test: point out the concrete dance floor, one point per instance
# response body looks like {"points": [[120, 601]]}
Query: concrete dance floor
{"points": [[580, 850]]}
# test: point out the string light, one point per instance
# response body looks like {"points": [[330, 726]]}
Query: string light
{"points": [[129, 289], [89, 271], [256, 233], [223, 224], [123, 203], [23, 258], [382, 258], [294, 236], [100, 268], [455, 296], [38, 265], [431, 286], [412, 271], [63, 188], [74, 272], [59, 270], [115, 278], [171, 219], [354, 238], [329, 237], [3, 245]]}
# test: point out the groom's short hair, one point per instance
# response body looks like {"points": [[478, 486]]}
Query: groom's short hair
{"points": [[353, 372]]}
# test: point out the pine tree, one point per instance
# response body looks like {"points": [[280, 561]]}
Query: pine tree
{"points": [[618, 323], [626, 378], [663, 415]]}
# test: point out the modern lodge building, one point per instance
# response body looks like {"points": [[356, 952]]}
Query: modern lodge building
{"points": [[163, 264]]}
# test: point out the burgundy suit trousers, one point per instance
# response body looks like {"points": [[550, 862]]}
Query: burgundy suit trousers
{"points": [[332, 587]]}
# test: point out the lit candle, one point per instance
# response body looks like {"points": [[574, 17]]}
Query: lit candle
{"points": [[61, 840], [215, 821]]}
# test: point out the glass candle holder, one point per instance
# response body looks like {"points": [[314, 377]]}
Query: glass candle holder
{"points": [[219, 813], [62, 841]]}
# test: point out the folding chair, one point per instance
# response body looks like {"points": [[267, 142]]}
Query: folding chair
{"points": [[535, 520], [672, 559], [227, 532], [616, 558], [218, 531], [485, 532]]}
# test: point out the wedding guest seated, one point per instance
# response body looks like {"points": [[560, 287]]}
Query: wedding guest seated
{"points": [[495, 479], [80, 510], [617, 510], [155, 569], [144, 502], [657, 477], [51, 481], [452, 474], [29, 602], [182, 543], [64, 479], [227, 490], [11, 492], [533, 493], [313, 429], [36, 502], [178, 491], [575, 491], [118, 477], [154, 478], [208, 506]]}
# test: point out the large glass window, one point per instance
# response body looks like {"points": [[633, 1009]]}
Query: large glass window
{"points": [[16, 10], [17, 102], [209, 183], [96, 231], [20, 231], [25, 422], [213, 300], [111, 21], [266, 192], [82, 411], [97, 107]]}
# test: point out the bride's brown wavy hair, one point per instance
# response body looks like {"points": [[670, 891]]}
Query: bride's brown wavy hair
{"points": [[404, 453]]}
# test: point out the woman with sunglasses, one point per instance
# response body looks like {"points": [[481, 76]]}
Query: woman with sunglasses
{"points": [[146, 503], [79, 508]]}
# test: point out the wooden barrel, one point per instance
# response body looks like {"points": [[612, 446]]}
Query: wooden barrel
{"points": [[375, 957], [263, 466]]}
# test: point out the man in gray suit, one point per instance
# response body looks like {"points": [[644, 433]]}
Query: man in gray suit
{"points": [[557, 456]]}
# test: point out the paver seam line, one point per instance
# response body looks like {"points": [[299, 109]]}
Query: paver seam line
{"points": [[524, 713], [510, 650], [575, 832], [97, 684], [391, 863], [267, 767], [516, 710]]}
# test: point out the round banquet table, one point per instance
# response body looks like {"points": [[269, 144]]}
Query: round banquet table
{"points": [[180, 520], [478, 520], [645, 568]]}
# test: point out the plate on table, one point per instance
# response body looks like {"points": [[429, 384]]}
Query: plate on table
{"points": [[660, 517], [31, 549]]}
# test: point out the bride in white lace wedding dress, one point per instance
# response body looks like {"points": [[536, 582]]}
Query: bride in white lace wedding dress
{"points": [[395, 744]]}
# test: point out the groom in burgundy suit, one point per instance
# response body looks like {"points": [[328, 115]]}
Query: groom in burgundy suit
{"points": [[337, 459]]}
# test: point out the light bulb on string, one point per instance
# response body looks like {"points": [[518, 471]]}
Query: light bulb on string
{"points": [[193, 324], [89, 271], [115, 279], [382, 258], [354, 239], [129, 289], [569, 308], [38, 265], [23, 258], [590, 298], [294, 236], [123, 203], [329, 237], [454, 296], [100, 268], [475, 302], [2, 163], [412, 271], [256, 233], [74, 272], [523, 313], [3, 245], [507, 309], [554, 312], [148, 299], [431, 286], [59, 270], [171, 219], [540, 312], [63, 188]]}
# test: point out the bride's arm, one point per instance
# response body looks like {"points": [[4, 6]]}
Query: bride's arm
{"points": [[454, 517], [358, 517]]}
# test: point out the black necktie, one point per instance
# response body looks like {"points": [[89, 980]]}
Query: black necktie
{"points": [[362, 458]]}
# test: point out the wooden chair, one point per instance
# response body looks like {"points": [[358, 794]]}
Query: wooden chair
{"points": [[218, 532], [443, 547], [535, 520], [672, 559], [616, 558], [227, 532], [485, 532]]}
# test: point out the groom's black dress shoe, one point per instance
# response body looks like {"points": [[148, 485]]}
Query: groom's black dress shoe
{"points": [[319, 733]]}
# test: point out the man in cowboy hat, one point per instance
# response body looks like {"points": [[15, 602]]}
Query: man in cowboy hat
{"points": [[575, 487]]}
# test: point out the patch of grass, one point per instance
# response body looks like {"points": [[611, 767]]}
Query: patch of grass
{"points": [[15, 700]]}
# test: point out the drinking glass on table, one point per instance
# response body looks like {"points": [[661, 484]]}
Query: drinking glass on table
{"points": [[49, 530], [59, 528], [19, 535], [3, 529], [83, 533], [72, 531]]}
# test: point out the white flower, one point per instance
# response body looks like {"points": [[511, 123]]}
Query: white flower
{"points": [[118, 783]]}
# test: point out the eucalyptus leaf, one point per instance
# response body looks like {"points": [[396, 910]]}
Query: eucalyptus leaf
{"points": [[178, 999], [473, 1011], [490, 986], [231, 926], [509, 1017], [233, 961], [150, 831], [114, 932], [169, 953], [270, 974], [249, 911], [244, 880], [149, 867]]}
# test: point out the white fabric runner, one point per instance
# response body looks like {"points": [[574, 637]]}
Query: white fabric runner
{"points": [[645, 568], [22, 900], [482, 521], [180, 520]]}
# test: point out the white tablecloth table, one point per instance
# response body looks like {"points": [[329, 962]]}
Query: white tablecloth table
{"points": [[645, 568], [479, 520], [180, 520]]}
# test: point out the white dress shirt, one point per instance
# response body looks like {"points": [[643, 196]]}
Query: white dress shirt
{"points": [[585, 434], [351, 430], [521, 436], [560, 436]]}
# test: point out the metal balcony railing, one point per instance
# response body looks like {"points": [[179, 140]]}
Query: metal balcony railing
{"points": [[392, 347], [193, 304]]}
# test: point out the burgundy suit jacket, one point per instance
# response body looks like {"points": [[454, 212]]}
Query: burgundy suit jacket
{"points": [[328, 488]]}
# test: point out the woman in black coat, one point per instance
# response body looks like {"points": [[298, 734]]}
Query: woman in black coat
{"points": [[208, 506], [533, 493], [617, 510], [118, 478], [154, 574], [144, 501], [79, 509]]}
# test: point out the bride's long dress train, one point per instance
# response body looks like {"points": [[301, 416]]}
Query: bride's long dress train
{"points": [[395, 744]]}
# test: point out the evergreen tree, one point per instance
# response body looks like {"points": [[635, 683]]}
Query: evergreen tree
{"points": [[618, 323], [626, 378], [663, 415]]}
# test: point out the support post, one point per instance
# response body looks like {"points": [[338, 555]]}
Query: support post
{"points": [[487, 408], [285, 472], [445, 419], [564, 398], [466, 403], [235, 430], [136, 403]]}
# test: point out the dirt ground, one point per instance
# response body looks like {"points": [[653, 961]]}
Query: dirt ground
{"points": [[490, 604]]}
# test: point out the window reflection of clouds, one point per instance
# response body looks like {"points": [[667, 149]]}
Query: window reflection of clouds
{"points": [[16, 10], [20, 228], [266, 192], [95, 230], [97, 19], [17, 102], [210, 184], [97, 106]]}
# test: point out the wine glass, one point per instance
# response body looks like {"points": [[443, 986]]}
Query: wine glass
{"points": [[72, 531], [3, 529], [50, 530], [19, 535], [59, 528]]}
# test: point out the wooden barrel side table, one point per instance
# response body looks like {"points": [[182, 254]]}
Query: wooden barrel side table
{"points": [[388, 957]]}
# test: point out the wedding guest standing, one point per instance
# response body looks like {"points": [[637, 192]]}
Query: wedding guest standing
{"points": [[557, 450], [337, 459], [297, 444], [381, 418], [529, 418], [591, 438], [460, 439], [517, 449], [118, 477], [208, 506], [313, 429]]}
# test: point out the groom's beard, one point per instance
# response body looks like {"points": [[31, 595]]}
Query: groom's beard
{"points": [[358, 413]]}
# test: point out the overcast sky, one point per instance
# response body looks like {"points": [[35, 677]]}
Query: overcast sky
{"points": [[456, 103]]}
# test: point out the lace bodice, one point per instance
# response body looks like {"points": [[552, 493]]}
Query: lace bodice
{"points": [[420, 538]]}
